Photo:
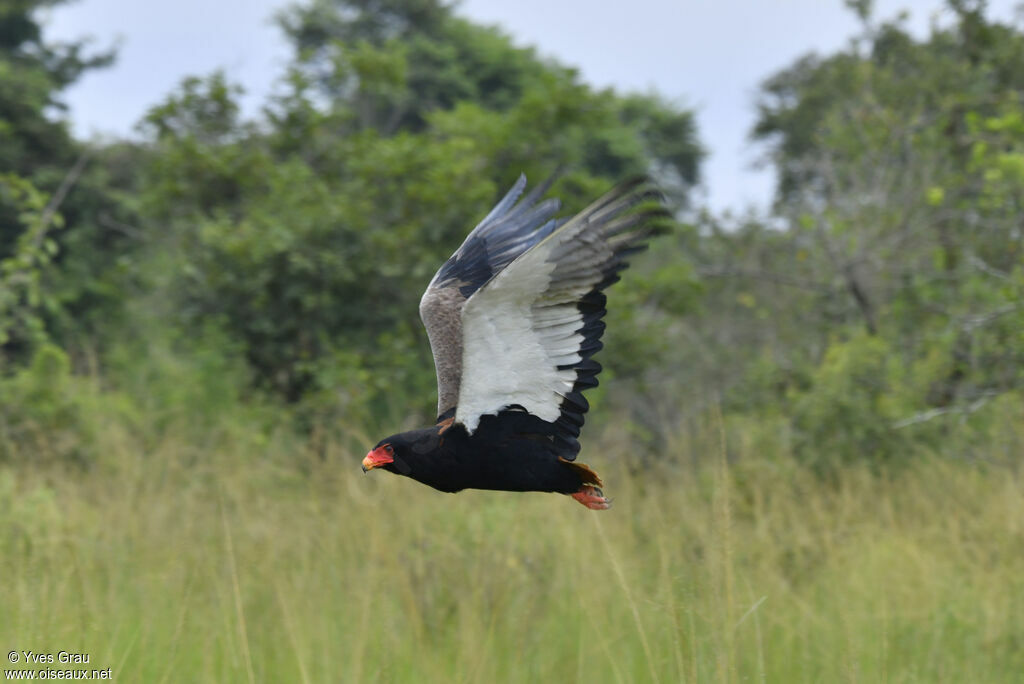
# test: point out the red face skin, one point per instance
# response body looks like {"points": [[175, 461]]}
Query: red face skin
{"points": [[380, 456]]}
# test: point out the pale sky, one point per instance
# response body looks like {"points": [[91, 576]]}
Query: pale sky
{"points": [[706, 54]]}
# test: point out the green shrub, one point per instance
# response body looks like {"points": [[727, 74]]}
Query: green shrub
{"points": [[848, 412], [40, 413]]}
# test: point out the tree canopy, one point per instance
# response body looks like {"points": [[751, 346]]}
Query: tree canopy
{"points": [[871, 314], [890, 297]]}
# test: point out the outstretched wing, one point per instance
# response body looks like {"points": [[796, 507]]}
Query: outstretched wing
{"points": [[505, 233], [529, 331]]}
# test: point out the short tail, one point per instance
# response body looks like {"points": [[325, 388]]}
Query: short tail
{"points": [[587, 476]]}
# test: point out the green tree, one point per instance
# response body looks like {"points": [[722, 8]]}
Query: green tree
{"points": [[34, 142], [310, 236], [895, 234], [46, 185], [389, 65]]}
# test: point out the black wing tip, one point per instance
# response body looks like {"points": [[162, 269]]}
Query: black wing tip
{"points": [[635, 212], [542, 188]]}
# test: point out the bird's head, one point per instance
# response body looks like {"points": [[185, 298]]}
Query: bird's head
{"points": [[381, 456], [395, 453]]}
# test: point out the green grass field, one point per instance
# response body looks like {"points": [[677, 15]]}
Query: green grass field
{"points": [[251, 560]]}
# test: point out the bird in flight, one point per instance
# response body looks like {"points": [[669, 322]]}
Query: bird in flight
{"points": [[514, 317]]}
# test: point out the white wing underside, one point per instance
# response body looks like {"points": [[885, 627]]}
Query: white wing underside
{"points": [[513, 343], [521, 332]]}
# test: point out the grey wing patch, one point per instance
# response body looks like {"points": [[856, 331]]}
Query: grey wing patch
{"points": [[511, 228], [441, 313]]}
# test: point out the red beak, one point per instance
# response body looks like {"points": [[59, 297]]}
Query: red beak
{"points": [[377, 458]]}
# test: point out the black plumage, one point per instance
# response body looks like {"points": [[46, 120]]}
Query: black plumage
{"points": [[512, 451]]}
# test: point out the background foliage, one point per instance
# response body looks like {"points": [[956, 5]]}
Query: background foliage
{"points": [[220, 299]]}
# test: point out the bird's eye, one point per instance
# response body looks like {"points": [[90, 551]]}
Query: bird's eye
{"points": [[387, 448]]}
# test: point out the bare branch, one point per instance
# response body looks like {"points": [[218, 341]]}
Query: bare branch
{"points": [[972, 322], [925, 416], [756, 274], [113, 224], [62, 192], [985, 267]]}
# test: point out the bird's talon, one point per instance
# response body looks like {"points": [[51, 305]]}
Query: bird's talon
{"points": [[593, 498]]}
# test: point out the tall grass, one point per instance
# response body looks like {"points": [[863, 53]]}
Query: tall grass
{"points": [[256, 559]]}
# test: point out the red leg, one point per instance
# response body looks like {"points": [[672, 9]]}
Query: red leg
{"points": [[592, 498]]}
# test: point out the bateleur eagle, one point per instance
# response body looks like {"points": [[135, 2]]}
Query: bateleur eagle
{"points": [[514, 317]]}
